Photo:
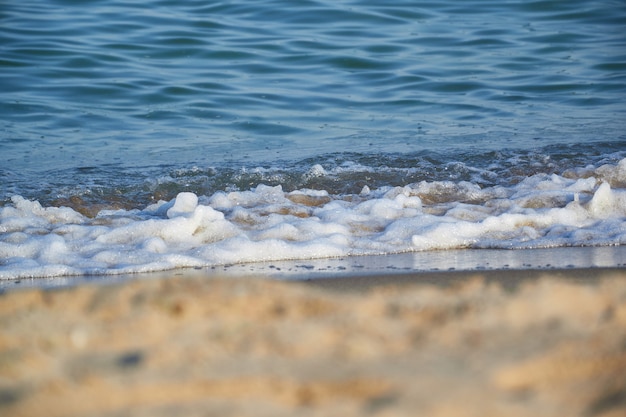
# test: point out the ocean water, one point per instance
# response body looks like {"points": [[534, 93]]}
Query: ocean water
{"points": [[146, 136]]}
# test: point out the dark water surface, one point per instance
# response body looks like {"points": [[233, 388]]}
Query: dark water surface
{"points": [[114, 92], [207, 133]]}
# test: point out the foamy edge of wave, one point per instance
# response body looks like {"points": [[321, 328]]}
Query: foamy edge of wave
{"points": [[268, 224]]}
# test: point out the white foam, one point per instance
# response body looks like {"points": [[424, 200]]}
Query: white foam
{"points": [[266, 223]]}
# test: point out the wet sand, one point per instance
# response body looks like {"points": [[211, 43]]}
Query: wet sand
{"points": [[514, 343]]}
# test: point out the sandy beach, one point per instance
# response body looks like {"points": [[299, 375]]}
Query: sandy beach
{"points": [[514, 343], [313, 209]]}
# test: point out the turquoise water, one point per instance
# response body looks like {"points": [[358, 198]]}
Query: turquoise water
{"points": [[117, 92], [202, 133]]}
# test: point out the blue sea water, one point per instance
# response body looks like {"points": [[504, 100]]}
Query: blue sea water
{"points": [[118, 104]]}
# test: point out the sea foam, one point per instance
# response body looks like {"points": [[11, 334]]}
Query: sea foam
{"points": [[583, 208]]}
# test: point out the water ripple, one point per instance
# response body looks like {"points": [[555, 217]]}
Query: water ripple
{"points": [[285, 75]]}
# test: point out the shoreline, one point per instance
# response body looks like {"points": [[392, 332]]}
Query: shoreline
{"points": [[437, 267], [508, 279]]}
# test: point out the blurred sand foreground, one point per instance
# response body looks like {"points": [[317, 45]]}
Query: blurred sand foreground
{"points": [[181, 346]]}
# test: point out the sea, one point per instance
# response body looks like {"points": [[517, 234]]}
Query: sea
{"points": [[158, 135]]}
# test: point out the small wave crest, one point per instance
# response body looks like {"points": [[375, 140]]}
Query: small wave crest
{"points": [[584, 206]]}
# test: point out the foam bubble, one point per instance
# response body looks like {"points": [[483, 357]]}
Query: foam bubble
{"points": [[266, 223], [184, 203]]}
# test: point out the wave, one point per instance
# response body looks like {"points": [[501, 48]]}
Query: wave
{"points": [[582, 206]]}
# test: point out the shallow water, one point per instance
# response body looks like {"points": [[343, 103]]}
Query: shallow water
{"points": [[117, 105]]}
